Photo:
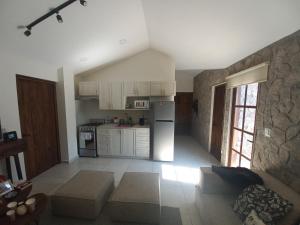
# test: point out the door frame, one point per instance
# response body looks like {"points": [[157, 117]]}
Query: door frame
{"points": [[24, 77], [213, 88]]}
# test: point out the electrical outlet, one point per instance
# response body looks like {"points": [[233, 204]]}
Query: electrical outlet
{"points": [[267, 132]]}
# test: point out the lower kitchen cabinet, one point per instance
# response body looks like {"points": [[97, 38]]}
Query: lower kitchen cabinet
{"points": [[124, 142], [127, 142], [142, 143], [115, 142], [103, 141]]}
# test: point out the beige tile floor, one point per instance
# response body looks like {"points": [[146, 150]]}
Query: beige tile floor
{"points": [[178, 178]]}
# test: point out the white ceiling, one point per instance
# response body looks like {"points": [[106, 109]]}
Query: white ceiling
{"points": [[198, 34]]}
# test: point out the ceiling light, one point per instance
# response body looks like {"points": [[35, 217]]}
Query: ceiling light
{"points": [[123, 41], [83, 59], [59, 18], [27, 32], [83, 2], [50, 13]]}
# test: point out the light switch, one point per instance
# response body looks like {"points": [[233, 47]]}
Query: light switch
{"points": [[267, 132]]}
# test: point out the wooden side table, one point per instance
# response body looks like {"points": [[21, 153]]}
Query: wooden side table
{"points": [[12, 148], [29, 218]]}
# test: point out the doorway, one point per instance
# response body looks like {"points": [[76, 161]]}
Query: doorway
{"points": [[217, 121], [183, 113], [244, 107], [39, 126]]}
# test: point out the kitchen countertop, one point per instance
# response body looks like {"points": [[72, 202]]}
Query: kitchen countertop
{"points": [[116, 126]]}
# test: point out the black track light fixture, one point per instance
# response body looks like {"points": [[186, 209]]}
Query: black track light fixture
{"points": [[27, 32], [83, 2], [52, 12], [59, 18]]}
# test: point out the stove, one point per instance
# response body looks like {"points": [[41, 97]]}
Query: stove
{"points": [[87, 139]]}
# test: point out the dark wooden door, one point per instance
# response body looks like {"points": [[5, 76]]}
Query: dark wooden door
{"points": [[217, 121], [39, 127], [183, 113]]}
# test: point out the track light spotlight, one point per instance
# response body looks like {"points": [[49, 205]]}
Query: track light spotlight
{"points": [[83, 2], [59, 18], [52, 12], [27, 32]]}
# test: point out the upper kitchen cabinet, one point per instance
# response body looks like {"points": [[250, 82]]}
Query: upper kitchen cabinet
{"points": [[88, 88], [136, 88], [129, 89], [163, 88], [104, 96], [143, 88], [117, 95], [111, 96]]}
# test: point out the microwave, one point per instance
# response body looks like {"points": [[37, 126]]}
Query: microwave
{"points": [[141, 104]]}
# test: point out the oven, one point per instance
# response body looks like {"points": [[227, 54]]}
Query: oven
{"points": [[87, 140]]}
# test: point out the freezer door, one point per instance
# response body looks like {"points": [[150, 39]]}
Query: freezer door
{"points": [[163, 141], [164, 110]]}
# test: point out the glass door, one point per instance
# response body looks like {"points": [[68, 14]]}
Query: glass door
{"points": [[242, 125]]}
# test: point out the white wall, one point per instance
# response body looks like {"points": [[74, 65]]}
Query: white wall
{"points": [[11, 65], [184, 81], [66, 114], [147, 65]]}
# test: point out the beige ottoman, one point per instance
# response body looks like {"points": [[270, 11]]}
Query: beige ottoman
{"points": [[136, 199], [84, 195]]}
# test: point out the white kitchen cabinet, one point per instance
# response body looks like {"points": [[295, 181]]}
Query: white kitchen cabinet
{"points": [[128, 142], [104, 96], [142, 142], [168, 88], [142, 88], [129, 89], [115, 142], [163, 88], [111, 96], [155, 88], [116, 95], [88, 88], [123, 142], [103, 141], [136, 88]]}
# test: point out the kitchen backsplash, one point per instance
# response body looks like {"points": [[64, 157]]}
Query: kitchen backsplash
{"points": [[89, 109]]}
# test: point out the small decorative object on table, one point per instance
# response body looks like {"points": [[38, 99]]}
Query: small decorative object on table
{"points": [[21, 209], [10, 136], [11, 214], [5, 187], [27, 213], [30, 203]]}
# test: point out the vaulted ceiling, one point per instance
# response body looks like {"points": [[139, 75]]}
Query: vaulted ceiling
{"points": [[198, 34]]}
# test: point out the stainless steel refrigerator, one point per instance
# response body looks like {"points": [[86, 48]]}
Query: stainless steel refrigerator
{"points": [[163, 130]]}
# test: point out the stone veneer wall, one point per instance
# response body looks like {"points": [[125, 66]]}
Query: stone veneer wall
{"points": [[278, 109]]}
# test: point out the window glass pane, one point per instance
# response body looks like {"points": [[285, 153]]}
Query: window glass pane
{"points": [[240, 95], [235, 159], [238, 117], [247, 145], [236, 140], [252, 94], [245, 163], [249, 120]]}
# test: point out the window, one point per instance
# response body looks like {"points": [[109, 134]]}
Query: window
{"points": [[243, 125]]}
